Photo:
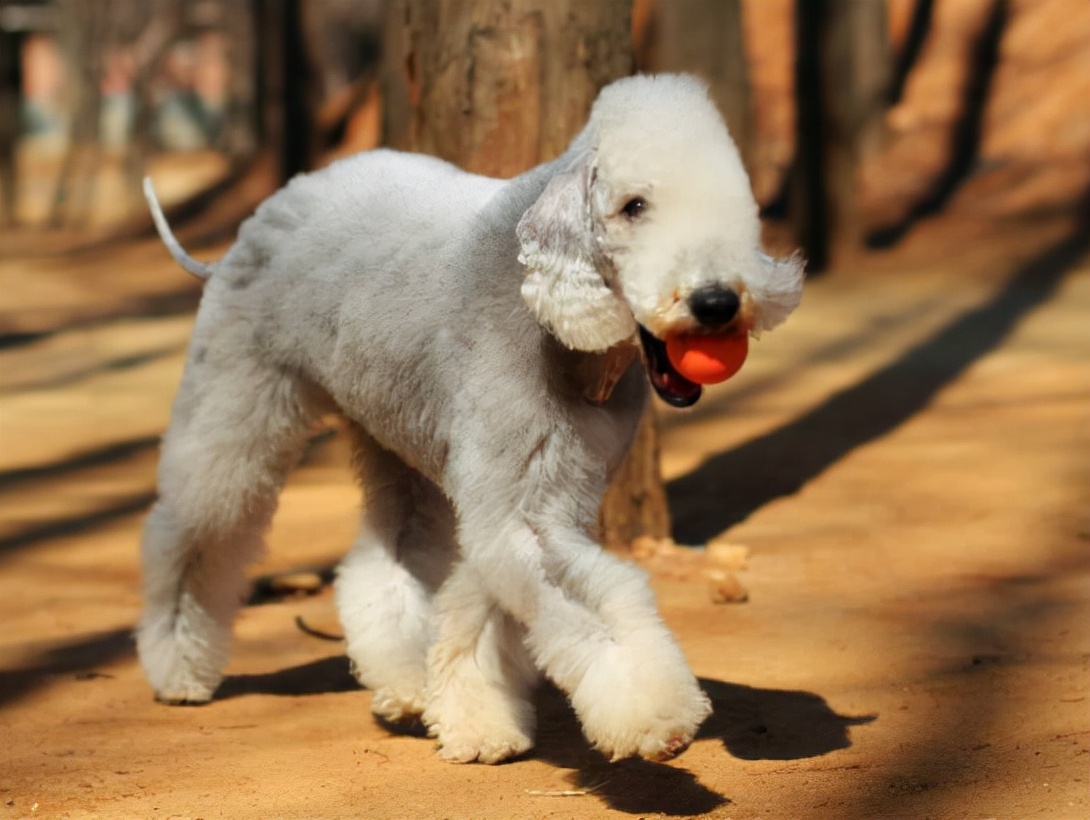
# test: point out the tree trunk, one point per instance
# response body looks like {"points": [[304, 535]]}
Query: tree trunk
{"points": [[239, 136], [11, 84], [286, 111], [83, 28], [498, 86], [843, 65]]}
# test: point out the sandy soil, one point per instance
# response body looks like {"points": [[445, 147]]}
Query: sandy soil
{"points": [[905, 463]]}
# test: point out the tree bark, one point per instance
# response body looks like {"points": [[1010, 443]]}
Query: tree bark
{"points": [[84, 29], [498, 86], [286, 112], [843, 67], [11, 82]]}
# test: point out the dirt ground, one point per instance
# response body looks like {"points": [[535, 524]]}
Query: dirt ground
{"points": [[906, 462]]}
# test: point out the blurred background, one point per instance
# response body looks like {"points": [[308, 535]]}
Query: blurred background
{"points": [[855, 117], [859, 120]]}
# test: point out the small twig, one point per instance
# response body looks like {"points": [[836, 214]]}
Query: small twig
{"points": [[315, 633], [385, 759], [567, 792]]}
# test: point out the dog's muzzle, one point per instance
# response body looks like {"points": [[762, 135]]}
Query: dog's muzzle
{"points": [[714, 308]]}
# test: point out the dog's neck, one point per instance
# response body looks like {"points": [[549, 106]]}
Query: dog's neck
{"points": [[597, 374]]}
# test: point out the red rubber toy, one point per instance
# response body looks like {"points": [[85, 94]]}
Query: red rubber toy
{"points": [[707, 359]]}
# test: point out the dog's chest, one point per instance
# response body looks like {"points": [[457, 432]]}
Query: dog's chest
{"points": [[609, 428]]}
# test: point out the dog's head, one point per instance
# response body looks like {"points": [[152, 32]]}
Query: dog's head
{"points": [[651, 232]]}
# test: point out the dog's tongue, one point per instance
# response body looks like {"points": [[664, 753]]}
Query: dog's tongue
{"points": [[672, 387], [675, 389]]}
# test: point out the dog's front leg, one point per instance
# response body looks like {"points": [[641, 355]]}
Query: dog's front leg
{"points": [[638, 697], [591, 626]]}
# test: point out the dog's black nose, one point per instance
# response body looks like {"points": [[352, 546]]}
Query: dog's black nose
{"points": [[714, 306]]}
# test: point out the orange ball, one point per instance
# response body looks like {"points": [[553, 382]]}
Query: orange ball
{"points": [[707, 359]]}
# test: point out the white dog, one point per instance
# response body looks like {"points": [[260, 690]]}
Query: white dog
{"points": [[481, 335]]}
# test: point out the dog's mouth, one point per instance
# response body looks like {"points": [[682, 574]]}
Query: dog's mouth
{"points": [[672, 387]]}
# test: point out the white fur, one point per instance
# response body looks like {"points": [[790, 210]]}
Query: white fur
{"points": [[388, 286]]}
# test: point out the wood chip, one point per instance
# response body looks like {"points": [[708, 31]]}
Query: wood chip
{"points": [[647, 546], [727, 554], [725, 588], [661, 556]]}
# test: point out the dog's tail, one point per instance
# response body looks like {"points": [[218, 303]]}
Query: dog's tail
{"points": [[198, 269]]}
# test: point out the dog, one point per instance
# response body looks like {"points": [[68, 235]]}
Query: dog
{"points": [[491, 343]]}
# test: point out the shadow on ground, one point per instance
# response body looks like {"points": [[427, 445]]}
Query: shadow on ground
{"points": [[320, 677], [751, 723], [730, 486], [74, 660], [775, 724]]}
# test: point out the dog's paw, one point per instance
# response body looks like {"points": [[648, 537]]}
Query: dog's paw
{"points": [[484, 724], [181, 662], [177, 682], [660, 738], [654, 746], [650, 710], [459, 745], [186, 694], [396, 705]]}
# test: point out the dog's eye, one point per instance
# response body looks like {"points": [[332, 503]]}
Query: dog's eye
{"points": [[634, 207]]}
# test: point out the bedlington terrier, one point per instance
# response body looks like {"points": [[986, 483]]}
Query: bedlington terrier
{"points": [[483, 339]]}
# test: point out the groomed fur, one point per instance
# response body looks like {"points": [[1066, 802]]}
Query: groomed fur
{"points": [[389, 286]]}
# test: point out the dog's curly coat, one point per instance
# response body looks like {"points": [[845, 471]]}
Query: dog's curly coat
{"points": [[395, 288]]}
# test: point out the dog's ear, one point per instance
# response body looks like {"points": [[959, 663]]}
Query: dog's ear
{"points": [[564, 287], [779, 288]]}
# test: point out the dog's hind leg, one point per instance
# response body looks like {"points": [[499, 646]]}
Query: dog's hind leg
{"points": [[479, 676], [237, 428], [384, 585]]}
